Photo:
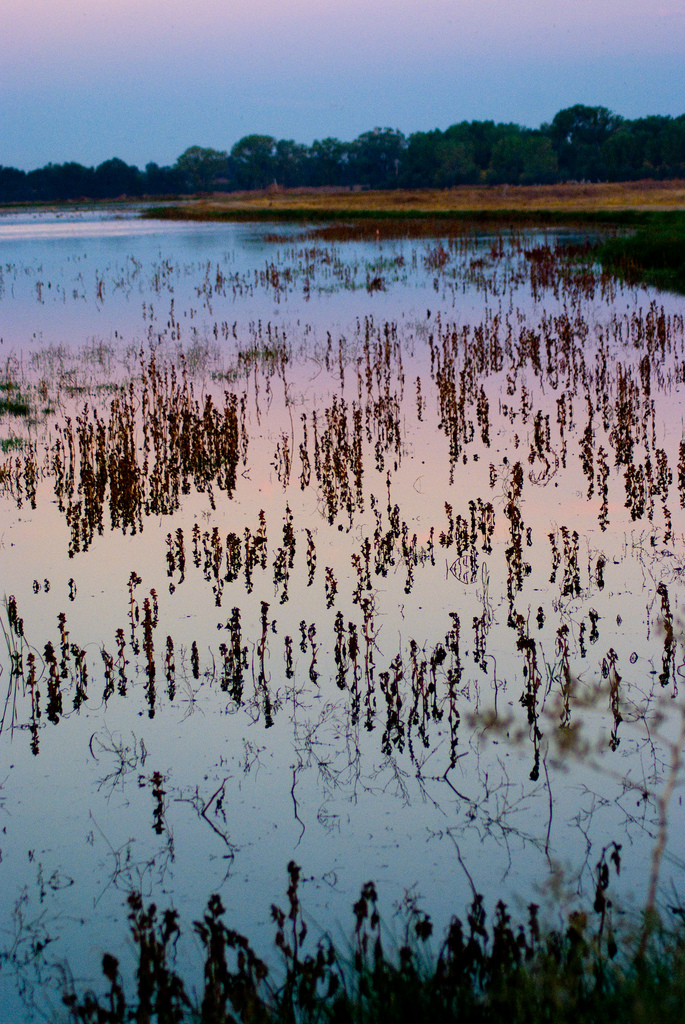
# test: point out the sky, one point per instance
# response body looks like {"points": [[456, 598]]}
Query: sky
{"points": [[142, 80]]}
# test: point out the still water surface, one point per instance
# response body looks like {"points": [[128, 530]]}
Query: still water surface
{"points": [[363, 553]]}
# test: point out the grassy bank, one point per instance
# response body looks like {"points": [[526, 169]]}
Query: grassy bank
{"points": [[412, 219], [481, 972], [602, 200]]}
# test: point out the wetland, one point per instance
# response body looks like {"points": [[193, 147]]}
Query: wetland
{"points": [[354, 547]]}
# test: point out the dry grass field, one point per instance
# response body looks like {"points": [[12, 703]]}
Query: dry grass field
{"points": [[566, 198]]}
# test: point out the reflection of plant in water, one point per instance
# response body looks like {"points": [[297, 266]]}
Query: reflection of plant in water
{"points": [[211, 809], [127, 758], [505, 411], [23, 670], [182, 441]]}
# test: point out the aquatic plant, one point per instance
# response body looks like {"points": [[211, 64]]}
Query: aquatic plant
{"points": [[526, 972]]}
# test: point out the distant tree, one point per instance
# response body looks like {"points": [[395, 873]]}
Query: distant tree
{"points": [[200, 168], [581, 142], [253, 162], [624, 156], [649, 147], [115, 178], [376, 157], [14, 187], [290, 163], [159, 181], [420, 160], [479, 137], [61, 181], [522, 157], [328, 162], [578, 135], [456, 163], [673, 147]]}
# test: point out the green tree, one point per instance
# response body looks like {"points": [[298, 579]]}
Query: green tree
{"points": [[479, 138], [522, 157], [376, 158], [420, 160], [253, 161], [115, 178], [290, 163], [161, 180], [199, 168], [62, 181], [578, 135], [328, 162], [649, 147], [455, 162]]}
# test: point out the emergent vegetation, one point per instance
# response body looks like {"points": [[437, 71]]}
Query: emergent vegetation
{"points": [[655, 256]]}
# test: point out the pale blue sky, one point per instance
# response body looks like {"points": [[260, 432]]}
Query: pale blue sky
{"points": [[144, 79]]}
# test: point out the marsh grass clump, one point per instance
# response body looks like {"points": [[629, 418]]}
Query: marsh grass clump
{"points": [[12, 402], [11, 444], [146, 452], [485, 973], [16, 402], [653, 256]]}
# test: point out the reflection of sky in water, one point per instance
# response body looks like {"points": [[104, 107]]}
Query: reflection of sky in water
{"points": [[316, 786], [52, 267]]}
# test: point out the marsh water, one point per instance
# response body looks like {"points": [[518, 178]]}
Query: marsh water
{"points": [[365, 552]]}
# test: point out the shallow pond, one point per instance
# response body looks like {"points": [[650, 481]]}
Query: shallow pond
{"points": [[366, 553]]}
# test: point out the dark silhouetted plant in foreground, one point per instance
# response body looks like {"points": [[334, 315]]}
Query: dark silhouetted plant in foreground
{"points": [[504, 972]]}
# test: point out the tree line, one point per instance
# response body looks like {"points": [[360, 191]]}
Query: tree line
{"points": [[580, 144]]}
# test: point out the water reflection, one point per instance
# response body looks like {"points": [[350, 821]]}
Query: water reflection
{"points": [[361, 593]]}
